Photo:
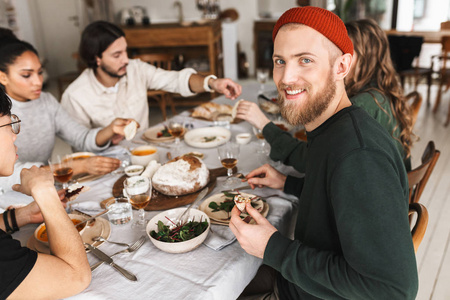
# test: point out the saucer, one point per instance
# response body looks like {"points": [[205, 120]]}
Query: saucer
{"points": [[101, 227]]}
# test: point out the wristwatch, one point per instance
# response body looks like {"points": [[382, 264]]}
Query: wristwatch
{"points": [[206, 85]]}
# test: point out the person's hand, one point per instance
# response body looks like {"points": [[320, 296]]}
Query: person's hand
{"points": [[118, 125], [115, 140], [226, 86], [253, 238], [250, 112], [268, 176], [34, 178], [98, 165]]}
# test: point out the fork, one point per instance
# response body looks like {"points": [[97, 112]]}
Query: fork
{"points": [[135, 246]]}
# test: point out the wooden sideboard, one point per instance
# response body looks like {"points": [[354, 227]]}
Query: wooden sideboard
{"points": [[192, 42], [262, 43]]}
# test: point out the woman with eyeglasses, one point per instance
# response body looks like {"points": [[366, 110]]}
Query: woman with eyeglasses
{"points": [[43, 118], [24, 273]]}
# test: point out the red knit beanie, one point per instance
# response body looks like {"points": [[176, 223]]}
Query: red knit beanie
{"points": [[322, 20]]}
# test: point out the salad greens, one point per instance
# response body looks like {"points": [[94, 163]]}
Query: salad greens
{"points": [[180, 233], [227, 205]]}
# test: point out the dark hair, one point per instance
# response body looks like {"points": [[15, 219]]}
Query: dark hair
{"points": [[5, 104], [95, 39], [11, 48]]}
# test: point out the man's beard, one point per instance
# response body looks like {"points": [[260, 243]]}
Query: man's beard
{"points": [[312, 108], [110, 72]]}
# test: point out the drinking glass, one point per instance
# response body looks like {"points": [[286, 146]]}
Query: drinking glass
{"points": [[61, 167], [139, 190], [261, 140], [262, 75], [228, 156], [176, 129]]}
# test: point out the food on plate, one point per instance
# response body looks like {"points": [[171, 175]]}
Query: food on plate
{"points": [[232, 199], [301, 135], [270, 107], [209, 138], [134, 170], [181, 233], [143, 152], [163, 133], [130, 130], [74, 190], [180, 176], [196, 154], [234, 110], [210, 110]]}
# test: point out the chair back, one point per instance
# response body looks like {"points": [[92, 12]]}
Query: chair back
{"points": [[418, 177], [414, 100], [420, 226], [159, 60], [445, 25], [445, 51], [403, 50]]}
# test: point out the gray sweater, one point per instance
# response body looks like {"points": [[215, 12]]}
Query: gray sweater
{"points": [[42, 120]]}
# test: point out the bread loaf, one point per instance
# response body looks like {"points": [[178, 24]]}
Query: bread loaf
{"points": [[180, 176]]}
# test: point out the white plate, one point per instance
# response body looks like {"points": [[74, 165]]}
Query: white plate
{"points": [[223, 216], [102, 228], [151, 135], [207, 137]]}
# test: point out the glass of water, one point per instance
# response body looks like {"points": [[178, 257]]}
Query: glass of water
{"points": [[119, 211]]}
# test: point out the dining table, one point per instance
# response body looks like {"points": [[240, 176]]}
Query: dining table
{"points": [[218, 269]]}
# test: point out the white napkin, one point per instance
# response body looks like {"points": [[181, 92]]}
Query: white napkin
{"points": [[220, 237], [85, 205]]}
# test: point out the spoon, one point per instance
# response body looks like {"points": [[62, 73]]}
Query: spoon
{"points": [[91, 218]]}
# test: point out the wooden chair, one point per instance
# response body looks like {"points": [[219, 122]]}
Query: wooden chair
{"points": [[418, 177], [415, 101], [164, 61], [444, 73], [445, 25], [404, 49], [420, 226]]}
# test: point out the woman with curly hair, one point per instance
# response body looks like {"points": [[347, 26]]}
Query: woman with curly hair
{"points": [[374, 85]]}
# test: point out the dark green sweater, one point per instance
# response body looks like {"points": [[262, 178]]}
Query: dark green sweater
{"points": [[352, 237], [290, 151]]}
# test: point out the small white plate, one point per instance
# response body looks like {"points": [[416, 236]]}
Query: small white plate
{"points": [[207, 137]]}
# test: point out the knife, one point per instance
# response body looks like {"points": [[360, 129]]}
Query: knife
{"points": [[104, 257], [244, 187]]}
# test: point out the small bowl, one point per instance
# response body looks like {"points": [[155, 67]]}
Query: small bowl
{"points": [[179, 247], [243, 138], [143, 155], [134, 170], [80, 155], [40, 228]]}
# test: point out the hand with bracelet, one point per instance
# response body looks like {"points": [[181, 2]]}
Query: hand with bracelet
{"points": [[15, 217]]}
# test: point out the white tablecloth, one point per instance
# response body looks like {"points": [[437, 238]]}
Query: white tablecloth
{"points": [[200, 274]]}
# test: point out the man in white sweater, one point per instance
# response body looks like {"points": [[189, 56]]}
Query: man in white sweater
{"points": [[114, 86]]}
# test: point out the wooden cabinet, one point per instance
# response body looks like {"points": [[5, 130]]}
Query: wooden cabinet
{"points": [[192, 42], [263, 44]]}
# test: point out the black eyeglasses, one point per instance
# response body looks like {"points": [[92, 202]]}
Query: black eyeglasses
{"points": [[15, 124]]}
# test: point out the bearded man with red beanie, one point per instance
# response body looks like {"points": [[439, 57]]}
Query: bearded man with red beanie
{"points": [[352, 236]]}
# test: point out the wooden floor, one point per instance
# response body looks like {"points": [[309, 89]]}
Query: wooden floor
{"points": [[433, 256]]}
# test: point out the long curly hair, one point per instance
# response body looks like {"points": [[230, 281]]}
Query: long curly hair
{"points": [[374, 64]]}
